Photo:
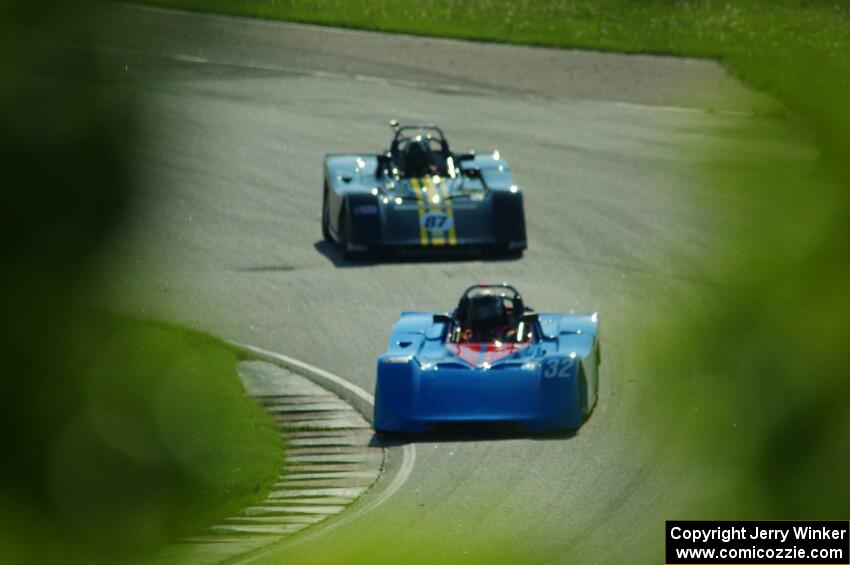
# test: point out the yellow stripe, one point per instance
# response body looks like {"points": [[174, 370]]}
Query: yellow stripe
{"points": [[449, 212], [423, 233], [437, 238]]}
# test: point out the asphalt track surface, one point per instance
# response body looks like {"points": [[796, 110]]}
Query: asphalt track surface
{"points": [[620, 221]]}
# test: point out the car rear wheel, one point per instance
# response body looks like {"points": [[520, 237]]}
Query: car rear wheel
{"points": [[504, 251], [509, 253], [583, 398]]}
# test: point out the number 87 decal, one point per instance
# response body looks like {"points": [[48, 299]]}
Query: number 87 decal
{"points": [[435, 221], [559, 368]]}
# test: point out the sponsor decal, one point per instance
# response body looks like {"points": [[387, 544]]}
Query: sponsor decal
{"points": [[365, 210]]}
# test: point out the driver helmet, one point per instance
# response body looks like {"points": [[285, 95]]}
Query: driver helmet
{"points": [[418, 157], [486, 313]]}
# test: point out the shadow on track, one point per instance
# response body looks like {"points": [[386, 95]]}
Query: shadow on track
{"points": [[396, 440], [265, 269], [334, 255]]}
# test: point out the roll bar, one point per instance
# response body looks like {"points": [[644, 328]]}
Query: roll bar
{"points": [[491, 285], [400, 129]]}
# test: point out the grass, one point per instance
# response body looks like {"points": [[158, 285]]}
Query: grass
{"points": [[144, 435], [788, 48]]}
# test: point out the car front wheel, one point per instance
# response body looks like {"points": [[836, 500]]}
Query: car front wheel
{"points": [[326, 232]]}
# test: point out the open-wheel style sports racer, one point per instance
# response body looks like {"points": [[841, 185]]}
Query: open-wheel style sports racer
{"points": [[419, 196], [493, 363]]}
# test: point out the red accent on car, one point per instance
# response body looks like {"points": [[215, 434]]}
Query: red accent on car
{"points": [[469, 352], [498, 352]]}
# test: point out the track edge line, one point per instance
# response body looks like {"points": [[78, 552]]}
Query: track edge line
{"points": [[363, 403]]}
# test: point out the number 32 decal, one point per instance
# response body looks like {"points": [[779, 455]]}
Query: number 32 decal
{"points": [[559, 368]]}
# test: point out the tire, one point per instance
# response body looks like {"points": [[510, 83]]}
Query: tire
{"points": [[344, 237], [509, 253], [500, 252], [583, 399], [326, 232], [342, 233]]}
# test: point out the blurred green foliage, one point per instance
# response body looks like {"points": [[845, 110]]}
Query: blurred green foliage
{"points": [[118, 435], [763, 374], [143, 434]]}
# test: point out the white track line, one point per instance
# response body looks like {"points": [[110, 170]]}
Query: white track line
{"points": [[312, 371], [404, 471]]}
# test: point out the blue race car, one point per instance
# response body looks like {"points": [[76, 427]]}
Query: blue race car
{"points": [[421, 197], [492, 364]]}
